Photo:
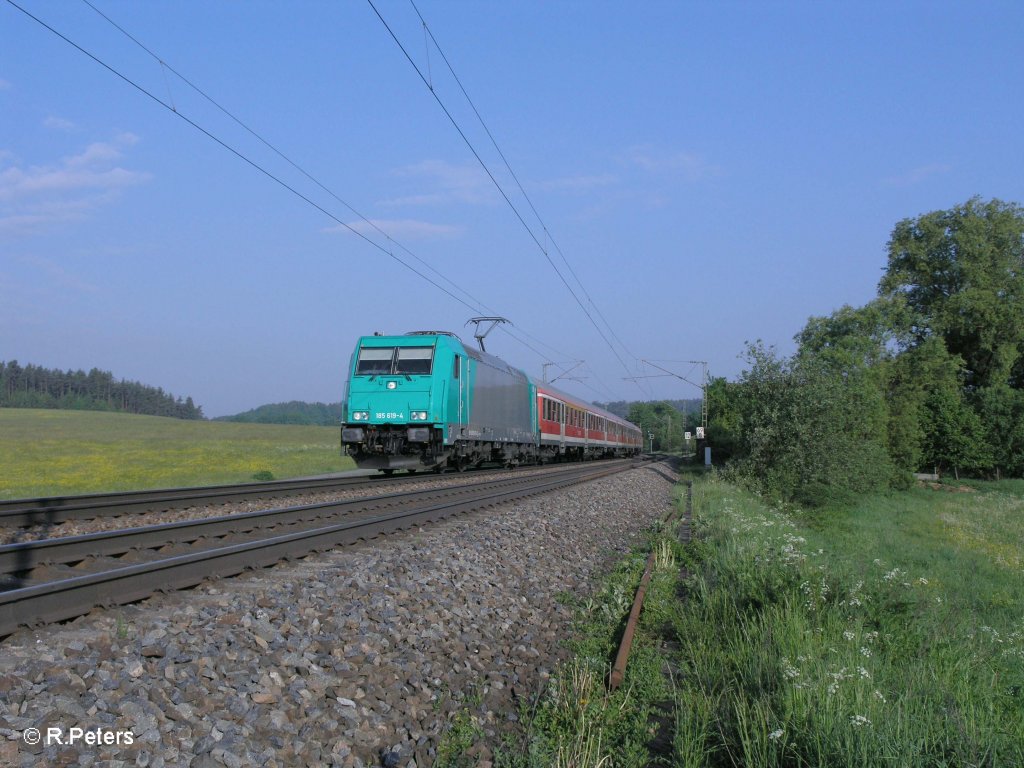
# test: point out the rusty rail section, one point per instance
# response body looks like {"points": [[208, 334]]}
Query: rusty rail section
{"points": [[222, 552], [622, 657]]}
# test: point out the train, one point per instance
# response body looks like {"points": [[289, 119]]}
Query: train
{"points": [[426, 401]]}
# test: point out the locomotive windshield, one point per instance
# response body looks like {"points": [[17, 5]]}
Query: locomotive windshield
{"points": [[414, 360], [384, 361], [374, 361]]}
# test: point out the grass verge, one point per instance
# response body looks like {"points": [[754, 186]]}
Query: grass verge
{"points": [[888, 632], [575, 721]]}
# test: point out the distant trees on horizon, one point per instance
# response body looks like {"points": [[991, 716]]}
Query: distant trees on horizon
{"points": [[292, 412], [32, 386]]}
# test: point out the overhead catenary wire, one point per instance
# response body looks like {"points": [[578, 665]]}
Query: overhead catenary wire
{"points": [[476, 304], [426, 81], [240, 155], [165, 67], [174, 108], [515, 177]]}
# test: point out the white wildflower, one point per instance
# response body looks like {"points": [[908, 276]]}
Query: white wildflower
{"points": [[894, 574], [865, 652], [789, 670], [849, 635], [776, 734], [837, 678], [859, 720]]}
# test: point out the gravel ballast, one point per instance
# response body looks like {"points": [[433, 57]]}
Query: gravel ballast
{"points": [[356, 657]]}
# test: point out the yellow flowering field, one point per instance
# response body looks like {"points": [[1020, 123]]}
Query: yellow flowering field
{"points": [[55, 453]]}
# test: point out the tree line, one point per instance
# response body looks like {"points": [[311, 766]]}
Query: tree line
{"points": [[32, 386], [928, 376], [293, 412]]}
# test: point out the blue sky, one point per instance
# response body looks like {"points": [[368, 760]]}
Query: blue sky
{"points": [[713, 173]]}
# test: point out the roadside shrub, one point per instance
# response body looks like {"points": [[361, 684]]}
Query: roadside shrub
{"points": [[813, 431]]}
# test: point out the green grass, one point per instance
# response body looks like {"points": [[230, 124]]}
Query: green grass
{"points": [[54, 453], [887, 632], [575, 721]]}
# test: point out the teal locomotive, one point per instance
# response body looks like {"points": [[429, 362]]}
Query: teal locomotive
{"points": [[425, 400]]}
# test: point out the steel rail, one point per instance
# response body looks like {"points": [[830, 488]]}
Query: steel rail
{"points": [[22, 557], [15, 513], [52, 510], [77, 595]]}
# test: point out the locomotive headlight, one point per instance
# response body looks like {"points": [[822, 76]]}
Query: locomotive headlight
{"points": [[419, 415], [392, 385], [360, 415]]}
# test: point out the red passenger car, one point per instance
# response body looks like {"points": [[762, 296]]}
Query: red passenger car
{"points": [[574, 429]]}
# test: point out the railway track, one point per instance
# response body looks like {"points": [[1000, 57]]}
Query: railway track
{"points": [[55, 510], [56, 579], [24, 513]]}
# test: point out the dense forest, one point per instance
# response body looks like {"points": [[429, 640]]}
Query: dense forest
{"points": [[927, 376], [32, 386], [294, 412]]}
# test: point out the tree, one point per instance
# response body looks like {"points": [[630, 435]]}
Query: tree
{"points": [[912, 378], [1001, 409], [811, 427], [724, 419], [663, 419], [862, 337], [954, 438], [961, 273]]}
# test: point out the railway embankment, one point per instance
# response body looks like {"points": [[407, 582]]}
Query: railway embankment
{"points": [[361, 656]]}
